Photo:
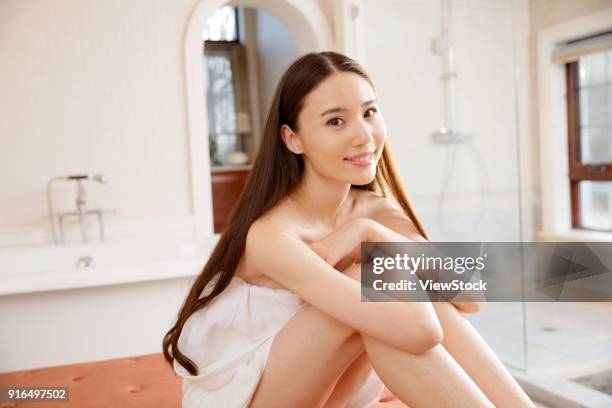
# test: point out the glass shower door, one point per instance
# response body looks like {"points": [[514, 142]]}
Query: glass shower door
{"points": [[445, 76]]}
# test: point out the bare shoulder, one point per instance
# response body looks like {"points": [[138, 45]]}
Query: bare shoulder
{"points": [[370, 204], [279, 220], [387, 212], [271, 244], [267, 230]]}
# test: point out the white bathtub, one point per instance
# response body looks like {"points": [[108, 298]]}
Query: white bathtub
{"points": [[53, 313]]}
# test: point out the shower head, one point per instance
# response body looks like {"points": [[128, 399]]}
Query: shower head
{"points": [[441, 45]]}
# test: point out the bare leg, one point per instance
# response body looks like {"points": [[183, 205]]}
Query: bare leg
{"points": [[308, 356], [467, 347], [350, 383], [312, 352], [433, 378], [475, 356], [311, 355], [430, 379]]}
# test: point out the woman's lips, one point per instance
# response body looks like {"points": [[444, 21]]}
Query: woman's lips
{"points": [[364, 161]]}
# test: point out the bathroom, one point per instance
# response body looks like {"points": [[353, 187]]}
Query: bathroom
{"points": [[113, 198]]}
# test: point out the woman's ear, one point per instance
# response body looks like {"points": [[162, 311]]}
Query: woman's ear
{"points": [[291, 139]]}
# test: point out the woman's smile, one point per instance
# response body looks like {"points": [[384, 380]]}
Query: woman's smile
{"points": [[363, 162]]}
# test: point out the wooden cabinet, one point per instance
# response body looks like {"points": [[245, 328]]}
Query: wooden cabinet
{"points": [[226, 188]]}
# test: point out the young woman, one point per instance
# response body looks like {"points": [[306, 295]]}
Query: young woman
{"points": [[275, 319]]}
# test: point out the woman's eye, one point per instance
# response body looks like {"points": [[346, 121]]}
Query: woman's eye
{"points": [[374, 110], [334, 122]]}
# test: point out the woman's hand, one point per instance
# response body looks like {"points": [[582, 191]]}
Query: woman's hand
{"points": [[344, 242]]}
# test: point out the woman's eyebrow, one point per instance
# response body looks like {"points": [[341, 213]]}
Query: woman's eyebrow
{"points": [[333, 110]]}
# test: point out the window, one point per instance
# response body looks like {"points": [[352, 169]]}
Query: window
{"points": [[221, 106], [223, 25], [227, 91], [589, 107]]}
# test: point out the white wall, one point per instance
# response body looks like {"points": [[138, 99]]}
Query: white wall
{"points": [[407, 73], [495, 40], [95, 87], [545, 13]]}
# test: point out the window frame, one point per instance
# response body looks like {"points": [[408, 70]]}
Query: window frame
{"points": [[551, 110], [579, 171]]}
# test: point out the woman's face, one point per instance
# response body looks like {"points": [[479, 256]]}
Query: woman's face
{"points": [[340, 123]]}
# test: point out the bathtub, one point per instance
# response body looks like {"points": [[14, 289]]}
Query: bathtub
{"points": [[53, 312]]}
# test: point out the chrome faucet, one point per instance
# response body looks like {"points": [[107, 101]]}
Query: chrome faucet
{"points": [[81, 211]]}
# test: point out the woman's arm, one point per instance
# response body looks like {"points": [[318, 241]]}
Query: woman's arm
{"points": [[391, 225], [293, 264]]}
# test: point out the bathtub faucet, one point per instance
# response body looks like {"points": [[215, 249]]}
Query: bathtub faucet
{"points": [[57, 220]]}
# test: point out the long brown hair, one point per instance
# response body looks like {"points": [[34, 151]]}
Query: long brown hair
{"points": [[276, 171]]}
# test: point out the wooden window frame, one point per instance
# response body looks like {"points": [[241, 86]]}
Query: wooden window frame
{"points": [[579, 171]]}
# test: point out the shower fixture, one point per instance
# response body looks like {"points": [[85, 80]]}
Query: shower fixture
{"points": [[448, 134], [444, 47]]}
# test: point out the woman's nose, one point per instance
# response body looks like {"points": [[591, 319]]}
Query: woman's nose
{"points": [[363, 133]]}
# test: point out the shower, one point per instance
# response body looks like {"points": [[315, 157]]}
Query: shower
{"points": [[448, 134]]}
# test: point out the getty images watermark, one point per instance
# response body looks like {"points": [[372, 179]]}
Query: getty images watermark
{"points": [[486, 271]]}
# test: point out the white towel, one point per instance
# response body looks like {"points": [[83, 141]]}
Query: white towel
{"points": [[230, 340]]}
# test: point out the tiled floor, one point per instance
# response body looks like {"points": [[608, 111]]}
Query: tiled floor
{"points": [[550, 340], [567, 335]]}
